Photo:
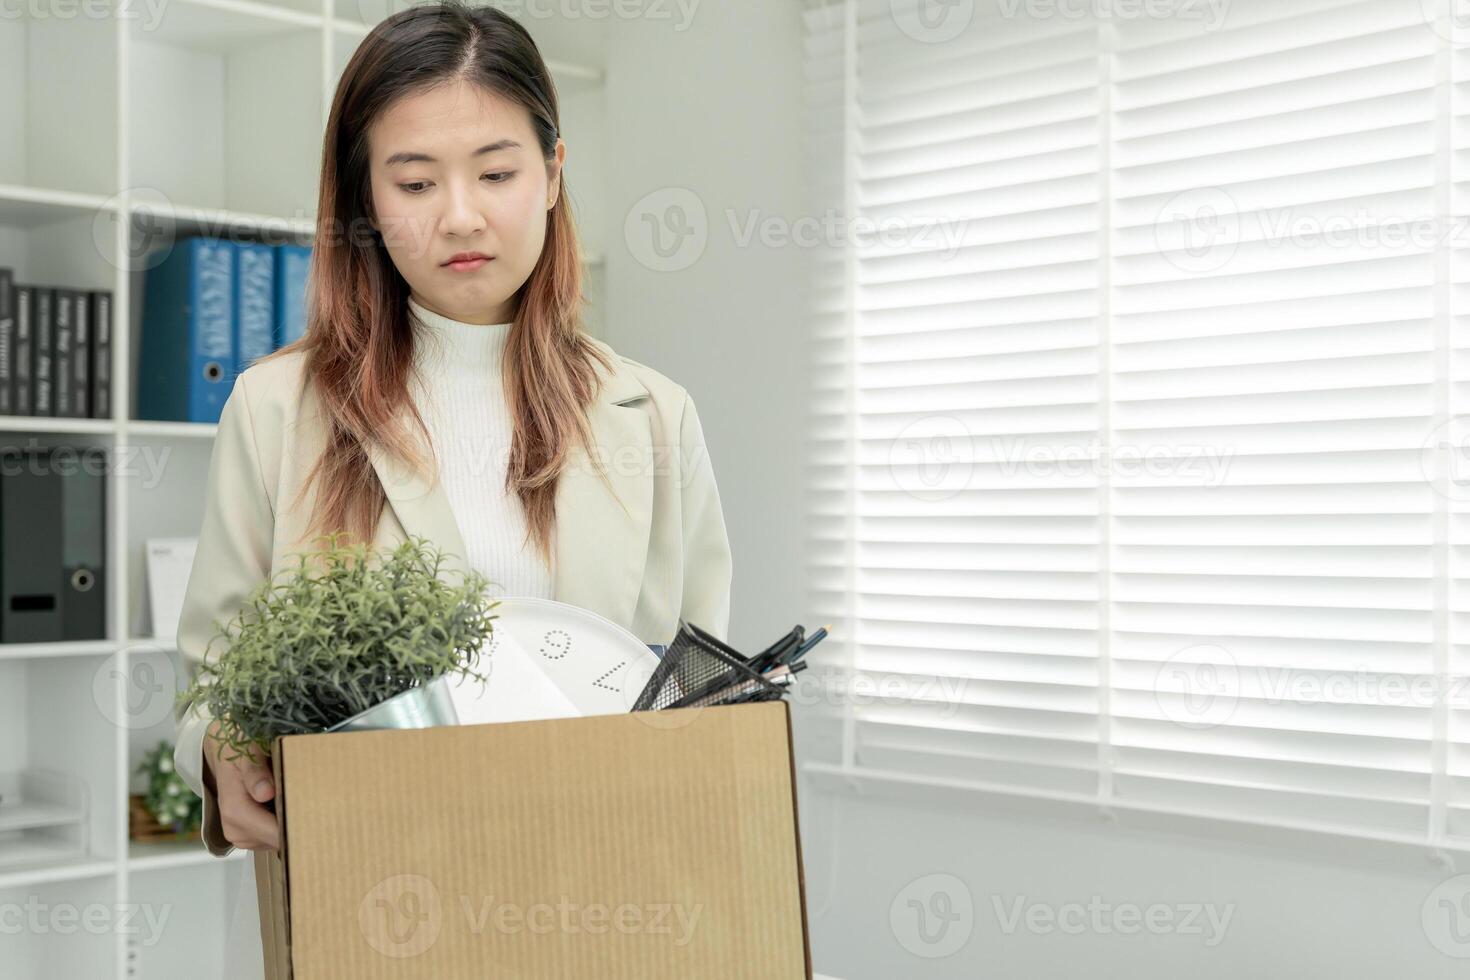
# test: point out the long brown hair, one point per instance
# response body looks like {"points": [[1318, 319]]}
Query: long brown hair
{"points": [[359, 340]]}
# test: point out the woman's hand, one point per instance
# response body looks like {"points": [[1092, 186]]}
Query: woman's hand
{"points": [[242, 786]]}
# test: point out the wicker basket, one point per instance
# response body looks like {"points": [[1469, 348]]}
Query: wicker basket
{"points": [[144, 827]]}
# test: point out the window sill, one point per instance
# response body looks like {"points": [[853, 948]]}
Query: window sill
{"points": [[1072, 812]]}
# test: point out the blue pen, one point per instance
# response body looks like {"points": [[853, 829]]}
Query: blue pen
{"points": [[811, 641]]}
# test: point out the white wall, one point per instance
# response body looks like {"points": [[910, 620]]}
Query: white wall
{"points": [[1286, 913], [716, 109]]}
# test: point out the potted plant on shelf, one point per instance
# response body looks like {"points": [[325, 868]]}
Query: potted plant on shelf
{"points": [[167, 810], [348, 630]]}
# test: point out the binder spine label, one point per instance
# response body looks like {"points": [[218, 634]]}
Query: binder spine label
{"points": [[62, 354], [214, 329], [101, 355], [256, 300], [214, 277], [41, 341], [81, 361], [7, 343], [23, 332], [292, 268]]}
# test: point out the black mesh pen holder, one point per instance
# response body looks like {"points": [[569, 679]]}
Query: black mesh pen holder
{"points": [[698, 669]]}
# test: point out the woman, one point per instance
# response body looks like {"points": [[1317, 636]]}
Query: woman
{"points": [[444, 387]]}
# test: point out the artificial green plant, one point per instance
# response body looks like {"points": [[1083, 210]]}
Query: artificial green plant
{"points": [[346, 629]]}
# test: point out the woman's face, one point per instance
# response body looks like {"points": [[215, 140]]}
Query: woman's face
{"points": [[456, 169]]}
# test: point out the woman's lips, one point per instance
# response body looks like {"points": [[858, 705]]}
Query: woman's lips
{"points": [[466, 265]]}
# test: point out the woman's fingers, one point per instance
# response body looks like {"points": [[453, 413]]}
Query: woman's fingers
{"points": [[257, 780], [242, 786], [246, 823]]}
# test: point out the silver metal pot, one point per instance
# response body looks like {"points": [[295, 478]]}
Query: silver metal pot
{"points": [[426, 706]]}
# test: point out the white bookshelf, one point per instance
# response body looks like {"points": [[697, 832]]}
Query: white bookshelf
{"points": [[210, 119]]}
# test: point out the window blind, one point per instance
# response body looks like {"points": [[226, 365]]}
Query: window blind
{"points": [[1138, 453]]}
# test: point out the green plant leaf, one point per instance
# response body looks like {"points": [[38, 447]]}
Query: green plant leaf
{"points": [[345, 629]]}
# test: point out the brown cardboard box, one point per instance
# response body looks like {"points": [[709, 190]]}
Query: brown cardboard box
{"points": [[646, 845]]}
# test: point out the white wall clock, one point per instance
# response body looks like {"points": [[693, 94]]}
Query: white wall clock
{"points": [[550, 659]]}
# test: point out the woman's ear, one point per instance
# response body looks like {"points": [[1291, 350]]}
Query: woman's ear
{"points": [[553, 175]]}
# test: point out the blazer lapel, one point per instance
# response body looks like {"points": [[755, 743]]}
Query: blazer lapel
{"points": [[600, 542], [600, 545], [421, 508]]}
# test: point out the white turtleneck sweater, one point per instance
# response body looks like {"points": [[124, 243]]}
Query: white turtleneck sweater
{"points": [[462, 399]]}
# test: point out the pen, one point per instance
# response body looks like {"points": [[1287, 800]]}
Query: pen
{"points": [[768, 651], [742, 690], [731, 691], [773, 654], [784, 655], [762, 694], [714, 690], [801, 650]]}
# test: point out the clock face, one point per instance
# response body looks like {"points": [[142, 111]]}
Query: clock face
{"points": [[549, 659]]}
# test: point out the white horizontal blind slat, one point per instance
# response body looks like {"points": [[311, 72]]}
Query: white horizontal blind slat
{"points": [[978, 625], [1452, 441], [1264, 648], [825, 731], [1273, 376]]}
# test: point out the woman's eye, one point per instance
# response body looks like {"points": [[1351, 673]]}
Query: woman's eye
{"points": [[419, 186]]}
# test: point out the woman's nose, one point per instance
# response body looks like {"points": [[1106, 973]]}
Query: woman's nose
{"points": [[462, 215]]}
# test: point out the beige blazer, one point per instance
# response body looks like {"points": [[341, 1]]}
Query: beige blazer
{"points": [[659, 555]]}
